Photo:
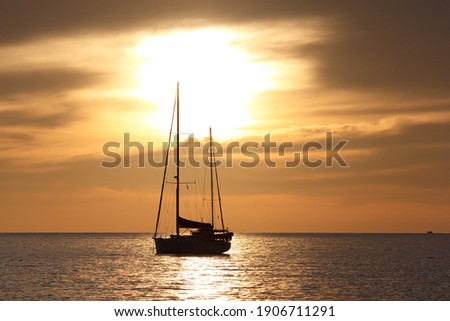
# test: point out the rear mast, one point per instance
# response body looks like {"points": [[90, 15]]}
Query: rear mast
{"points": [[211, 174], [178, 160]]}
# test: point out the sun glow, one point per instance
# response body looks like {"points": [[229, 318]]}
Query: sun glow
{"points": [[217, 80]]}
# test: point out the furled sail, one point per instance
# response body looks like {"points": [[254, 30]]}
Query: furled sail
{"points": [[185, 223]]}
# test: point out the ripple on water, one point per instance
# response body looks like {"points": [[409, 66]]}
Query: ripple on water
{"points": [[258, 267]]}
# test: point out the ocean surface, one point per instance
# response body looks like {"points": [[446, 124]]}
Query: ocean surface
{"points": [[258, 267]]}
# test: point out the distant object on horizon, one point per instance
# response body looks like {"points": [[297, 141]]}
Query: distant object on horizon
{"points": [[430, 232], [198, 237]]}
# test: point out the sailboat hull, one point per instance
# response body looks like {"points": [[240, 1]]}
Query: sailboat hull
{"points": [[190, 245]]}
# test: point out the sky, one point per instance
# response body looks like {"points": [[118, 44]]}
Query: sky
{"points": [[75, 75]]}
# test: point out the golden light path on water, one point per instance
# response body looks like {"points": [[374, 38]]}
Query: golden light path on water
{"points": [[258, 267], [217, 79], [224, 277], [204, 278]]}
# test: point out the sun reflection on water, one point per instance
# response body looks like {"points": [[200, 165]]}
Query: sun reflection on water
{"points": [[258, 267], [203, 277]]}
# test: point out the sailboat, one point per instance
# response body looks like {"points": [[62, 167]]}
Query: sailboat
{"points": [[191, 236]]}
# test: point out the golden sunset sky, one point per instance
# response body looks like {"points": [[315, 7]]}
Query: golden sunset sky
{"points": [[77, 74]]}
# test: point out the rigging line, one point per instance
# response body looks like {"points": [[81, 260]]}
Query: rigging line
{"points": [[165, 169], [211, 176], [204, 192], [199, 192], [218, 190], [177, 203]]}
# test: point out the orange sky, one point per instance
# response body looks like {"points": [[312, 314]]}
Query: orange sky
{"points": [[74, 76]]}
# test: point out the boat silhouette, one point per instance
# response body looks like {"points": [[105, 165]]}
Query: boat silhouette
{"points": [[191, 236]]}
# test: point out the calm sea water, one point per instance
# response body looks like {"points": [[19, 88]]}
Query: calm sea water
{"points": [[259, 267]]}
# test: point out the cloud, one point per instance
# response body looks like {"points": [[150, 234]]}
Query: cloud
{"points": [[406, 172], [386, 110], [386, 47], [43, 81], [407, 159], [26, 20], [14, 136], [391, 46], [364, 52], [19, 118], [11, 140], [74, 175]]}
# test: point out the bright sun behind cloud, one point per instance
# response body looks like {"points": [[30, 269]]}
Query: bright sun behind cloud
{"points": [[217, 80]]}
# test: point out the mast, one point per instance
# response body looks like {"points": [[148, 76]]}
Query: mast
{"points": [[211, 172], [178, 159], [165, 170], [218, 193]]}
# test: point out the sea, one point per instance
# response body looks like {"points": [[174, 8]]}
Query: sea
{"points": [[258, 267]]}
